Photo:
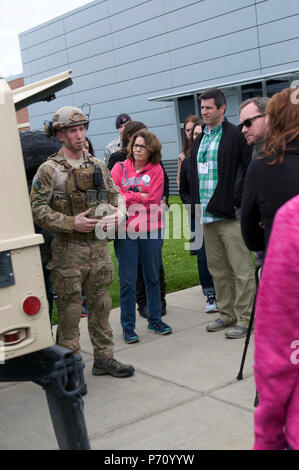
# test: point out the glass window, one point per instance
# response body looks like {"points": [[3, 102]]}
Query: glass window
{"points": [[275, 86], [251, 90], [186, 107]]}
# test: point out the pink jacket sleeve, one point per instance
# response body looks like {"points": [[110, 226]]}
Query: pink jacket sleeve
{"points": [[276, 329]]}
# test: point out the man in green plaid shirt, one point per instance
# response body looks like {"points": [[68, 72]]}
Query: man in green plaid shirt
{"points": [[219, 160], [207, 154]]}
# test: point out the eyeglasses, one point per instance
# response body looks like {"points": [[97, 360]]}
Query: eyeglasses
{"points": [[139, 147], [248, 122]]}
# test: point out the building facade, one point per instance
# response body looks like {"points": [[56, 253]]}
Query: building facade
{"points": [[153, 58]]}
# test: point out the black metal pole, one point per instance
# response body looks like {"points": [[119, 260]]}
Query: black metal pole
{"points": [[250, 325], [67, 414], [60, 373]]}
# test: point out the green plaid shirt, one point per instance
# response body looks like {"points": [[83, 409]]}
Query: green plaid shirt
{"points": [[207, 153]]}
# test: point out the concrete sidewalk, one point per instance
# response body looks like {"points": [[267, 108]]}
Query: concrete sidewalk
{"points": [[184, 394]]}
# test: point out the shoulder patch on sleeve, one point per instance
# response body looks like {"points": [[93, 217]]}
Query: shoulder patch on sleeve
{"points": [[36, 183]]}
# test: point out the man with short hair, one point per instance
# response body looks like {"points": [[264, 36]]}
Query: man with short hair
{"points": [[253, 125], [219, 159], [115, 145], [253, 122], [59, 199]]}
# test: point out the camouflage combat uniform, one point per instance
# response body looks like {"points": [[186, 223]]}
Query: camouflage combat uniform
{"points": [[79, 260]]}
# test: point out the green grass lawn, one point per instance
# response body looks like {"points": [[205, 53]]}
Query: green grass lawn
{"points": [[180, 268]]}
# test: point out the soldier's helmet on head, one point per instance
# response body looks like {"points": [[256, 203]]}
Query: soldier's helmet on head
{"points": [[67, 116]]}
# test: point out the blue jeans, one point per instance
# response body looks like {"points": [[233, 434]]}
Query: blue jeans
{"points": [[128, 252], [205, 277]]}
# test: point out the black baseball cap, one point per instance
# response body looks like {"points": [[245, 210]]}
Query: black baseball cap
{"points": [[122, 119]]}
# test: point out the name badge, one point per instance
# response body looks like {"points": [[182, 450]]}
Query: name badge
{"points": [[203, 168]]}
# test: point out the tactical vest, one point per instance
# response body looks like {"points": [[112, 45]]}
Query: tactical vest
{"points": [[74, 201]]}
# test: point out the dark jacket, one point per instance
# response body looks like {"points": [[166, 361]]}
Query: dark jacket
{"points": [[267, 188], [116, 157], [233, 160], [185, 181]]}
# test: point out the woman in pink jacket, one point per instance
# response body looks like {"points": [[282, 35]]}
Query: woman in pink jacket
{"points": [[277, 336], [140, 179]]}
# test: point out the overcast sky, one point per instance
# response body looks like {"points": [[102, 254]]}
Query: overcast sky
{"points": [[18, 16]]}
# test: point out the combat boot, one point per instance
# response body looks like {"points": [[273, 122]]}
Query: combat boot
{"points": [[112, 367]]}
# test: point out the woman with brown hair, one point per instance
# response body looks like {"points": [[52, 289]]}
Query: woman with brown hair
{"points": [[140, 180], [272, 178], [187, 142]]}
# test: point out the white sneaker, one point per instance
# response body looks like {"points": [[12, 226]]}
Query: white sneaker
{"points": [[211, 305]]}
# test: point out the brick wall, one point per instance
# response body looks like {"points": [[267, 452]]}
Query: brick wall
{"points": [[22, 114]]}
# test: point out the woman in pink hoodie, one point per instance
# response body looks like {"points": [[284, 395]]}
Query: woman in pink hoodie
{"points": [[140, 179], [277, 336]]}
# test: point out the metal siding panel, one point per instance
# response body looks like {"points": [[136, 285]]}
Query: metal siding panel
{"points": [[90, 48], [155, 117], [144, 67], [141, 50], [203, 11], [282, 67], [43, 33], [153, 84], [280, 30], [92, 64], [140, 102], [27, 72], [104, 110], [45, 49], [215, 27], [85, 16], [171, 5], [88, 33], [47, 65], [103, 126], [35, 77], [219, 47], [275, 9], [166, 134], [98, 94], [139, 14], [93, 80], [139, 32], [169, 151], [227, 66], [281, 52], [117, 6]]}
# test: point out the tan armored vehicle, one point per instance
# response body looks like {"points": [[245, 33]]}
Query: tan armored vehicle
{"points": [[27, 350], [24, 317]]}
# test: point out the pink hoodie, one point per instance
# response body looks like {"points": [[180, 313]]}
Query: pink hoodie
{"points": [[144, 213], [277, 336]]}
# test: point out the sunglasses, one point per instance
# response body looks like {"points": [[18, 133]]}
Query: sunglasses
{"points": [[248, 122]]}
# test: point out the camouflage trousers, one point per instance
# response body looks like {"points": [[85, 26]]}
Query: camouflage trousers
{"points": [[77, 265]]}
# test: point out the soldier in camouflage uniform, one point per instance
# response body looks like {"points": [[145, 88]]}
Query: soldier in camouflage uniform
{"points": [[79, 259]]}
